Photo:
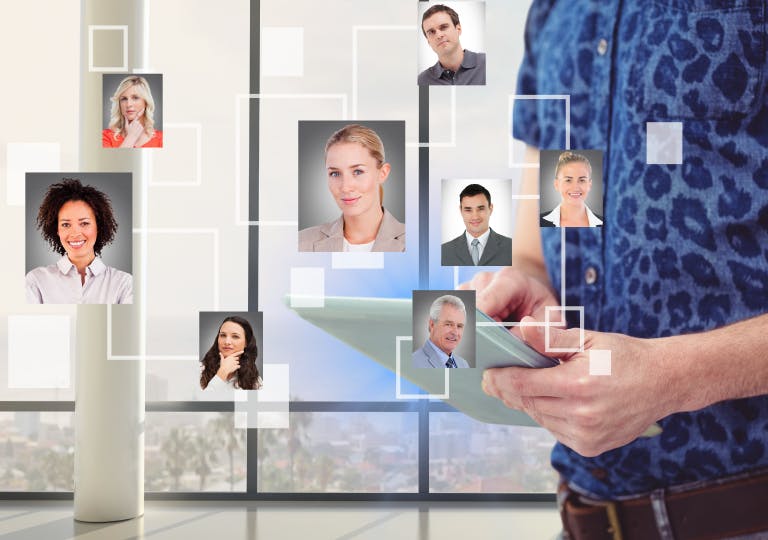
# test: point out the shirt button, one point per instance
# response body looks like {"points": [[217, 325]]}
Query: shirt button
{"points": [[590, 276], [602, 47], [599, 474]]}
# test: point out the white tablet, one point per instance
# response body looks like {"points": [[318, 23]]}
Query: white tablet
{"points": [[380, 328]]}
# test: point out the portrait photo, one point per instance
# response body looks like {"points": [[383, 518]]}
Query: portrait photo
{"points": [[444, 331], [451, 43], [79, 238], [132, 110], [571, 188], [476, 224], [230, 350], [351, 186]]}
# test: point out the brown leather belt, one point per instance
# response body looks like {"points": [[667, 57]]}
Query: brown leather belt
{"points": [[727, 509]]}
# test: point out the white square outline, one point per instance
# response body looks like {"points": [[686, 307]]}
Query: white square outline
{"points": [[238, 150], [398, 392], [143, 311], [547, 324], [451, 143], [107, 69], [198, 156], [510, 138]]}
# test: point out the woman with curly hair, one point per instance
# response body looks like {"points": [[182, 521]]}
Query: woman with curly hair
{"points": [[77, 221], [132, 121], [231, 360]]}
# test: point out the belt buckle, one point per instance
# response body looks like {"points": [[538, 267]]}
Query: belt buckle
{"points": [[613, 519]]}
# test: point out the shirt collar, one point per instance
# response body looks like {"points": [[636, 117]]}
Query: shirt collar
{"points": [[440, 353], [594, 221], [96, 267], [554, 217], [483, 238], [468, 62]]}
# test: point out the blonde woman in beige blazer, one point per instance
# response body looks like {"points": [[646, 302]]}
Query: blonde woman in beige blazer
{"points": [[356, 169]]}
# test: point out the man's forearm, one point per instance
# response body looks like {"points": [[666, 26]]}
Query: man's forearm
{"points": [[725, 363]]}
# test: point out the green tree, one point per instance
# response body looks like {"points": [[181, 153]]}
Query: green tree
{"points": [[326, 468], [268, 441], [297, 440], [224, 430], [203, 456], [177, 448]]}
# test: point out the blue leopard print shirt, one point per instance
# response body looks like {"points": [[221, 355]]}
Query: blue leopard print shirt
{"points": [[684, 247]]}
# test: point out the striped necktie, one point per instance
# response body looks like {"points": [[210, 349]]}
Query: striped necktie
{"points": [[451, 363]]}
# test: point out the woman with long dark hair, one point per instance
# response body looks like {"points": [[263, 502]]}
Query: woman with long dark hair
{"points": [[231, 360]]}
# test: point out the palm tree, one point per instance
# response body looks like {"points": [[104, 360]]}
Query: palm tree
{"points": [[268, 441], [203, 456], [223, 428], [297, 438], [177, 448], [326, 469]]}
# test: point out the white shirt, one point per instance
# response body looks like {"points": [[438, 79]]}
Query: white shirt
{"points": [[554, 217], [483, 239], [60, 284], [358, 248], [217, 384]]}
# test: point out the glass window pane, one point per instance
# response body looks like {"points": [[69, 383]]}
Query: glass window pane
{"points": [[341, 452], [36, 451], [194, 452], [467, 456], [26, 147]]}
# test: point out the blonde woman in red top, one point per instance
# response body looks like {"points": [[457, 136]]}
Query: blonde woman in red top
{"points": [[131, 124]]}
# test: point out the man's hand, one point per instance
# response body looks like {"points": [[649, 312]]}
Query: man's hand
{"points": [[590, 414], [509, 295]]}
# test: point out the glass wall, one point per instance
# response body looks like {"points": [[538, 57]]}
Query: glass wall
{"points": [[347, 432]]}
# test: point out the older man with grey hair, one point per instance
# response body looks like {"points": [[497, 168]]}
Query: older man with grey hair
{"points": [[447, 317]]}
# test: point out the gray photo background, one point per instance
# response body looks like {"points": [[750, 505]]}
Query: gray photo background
{"points": [[117, 186], [422, 301], [316, 204], [210, 322], [111, 81], [551, 198]]}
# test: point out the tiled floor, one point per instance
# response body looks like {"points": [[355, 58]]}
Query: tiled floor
{"points": [[52, 520]]}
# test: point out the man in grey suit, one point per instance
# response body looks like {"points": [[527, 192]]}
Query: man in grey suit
{"points": [[447, 317], [479, 245]]}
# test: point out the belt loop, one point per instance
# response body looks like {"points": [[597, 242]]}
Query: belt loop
{"points": [[613, 520], [659, 506]]}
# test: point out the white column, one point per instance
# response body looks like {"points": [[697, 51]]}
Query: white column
{"points": [[109, 394]]}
